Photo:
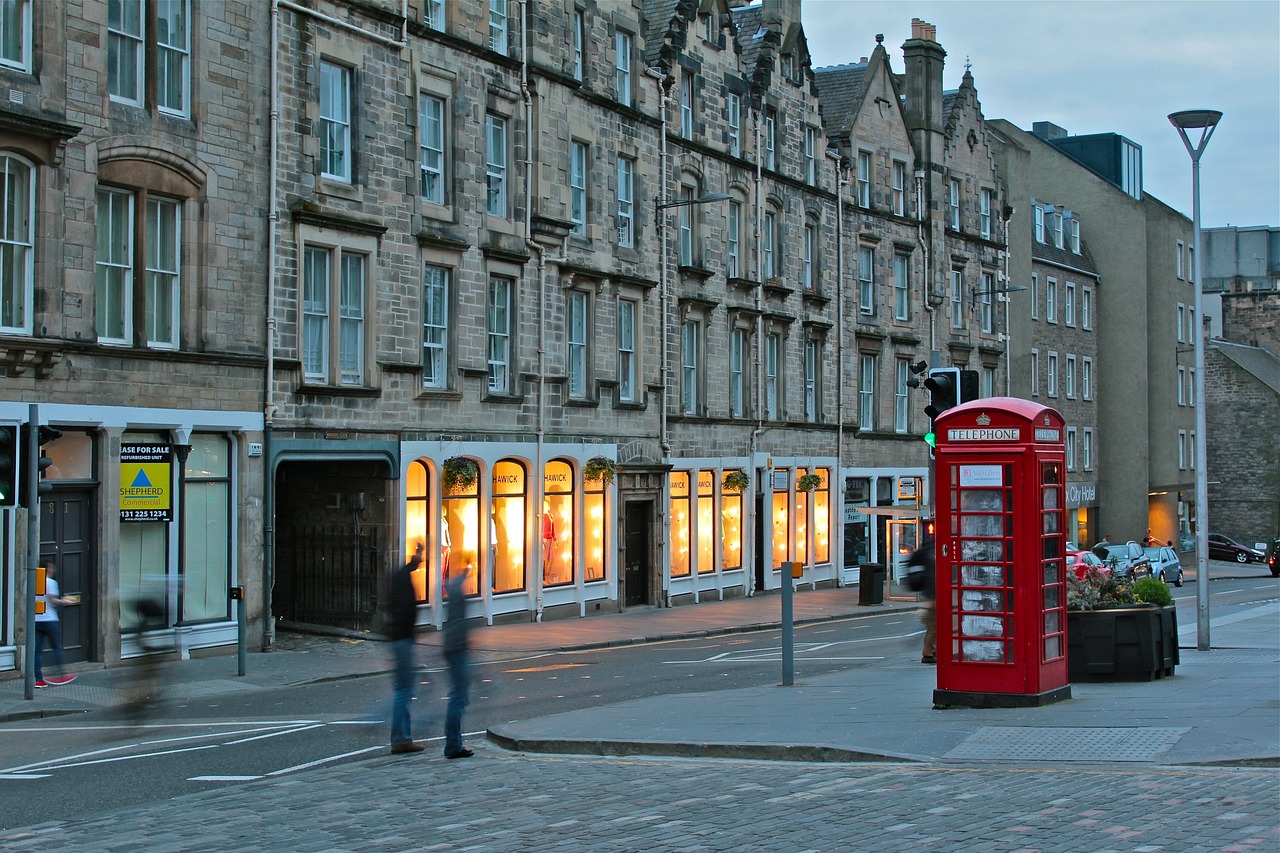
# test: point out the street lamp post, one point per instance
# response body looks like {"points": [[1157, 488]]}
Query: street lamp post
{"points": [[1188, 122]]}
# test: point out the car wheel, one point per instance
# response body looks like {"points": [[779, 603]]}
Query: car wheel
{"points": [[1242, 557], [1178, 582]]}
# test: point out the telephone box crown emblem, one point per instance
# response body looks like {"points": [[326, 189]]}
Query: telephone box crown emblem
{"points": [[983, 420]]}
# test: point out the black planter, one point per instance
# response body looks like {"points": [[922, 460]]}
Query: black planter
{"points": [[1124, 644]]}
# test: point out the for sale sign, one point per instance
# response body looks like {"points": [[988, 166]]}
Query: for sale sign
{"points": [[146, 471]]}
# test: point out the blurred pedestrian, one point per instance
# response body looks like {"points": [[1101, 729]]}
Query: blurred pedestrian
{"points": [[403, 613], [457, 658], [920, 577], [49, 628]]}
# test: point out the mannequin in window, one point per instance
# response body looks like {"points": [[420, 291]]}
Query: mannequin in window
{"points": [[445, 543], [548, 541]]}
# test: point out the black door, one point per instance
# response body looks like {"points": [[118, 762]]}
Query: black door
{"points": [[636, 576], [66, 534]]}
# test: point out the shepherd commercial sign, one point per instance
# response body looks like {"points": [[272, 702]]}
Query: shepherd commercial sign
{"points": [[146, 470]]}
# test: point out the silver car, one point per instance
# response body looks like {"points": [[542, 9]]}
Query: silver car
{"points": [[1165, 564]]}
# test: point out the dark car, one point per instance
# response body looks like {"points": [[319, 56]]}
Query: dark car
{"points": [[1273, 558], [1127, 560], [1225, 548]]}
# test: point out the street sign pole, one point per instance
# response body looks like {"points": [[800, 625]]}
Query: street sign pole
{"points": [[33, 546]]}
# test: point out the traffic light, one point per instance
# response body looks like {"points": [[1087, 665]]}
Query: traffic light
{"points": [[47, 434], [968, 387], [943, 386], [9, 464]]}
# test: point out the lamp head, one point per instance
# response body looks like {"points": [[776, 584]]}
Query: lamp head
{"points": [[1194, 119]]}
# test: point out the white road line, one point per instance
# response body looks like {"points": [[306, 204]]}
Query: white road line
{"points": [[222, 778], [274, 734], [17, 776], [802, 649], [131, 757], [213, 724], [320, 761]]}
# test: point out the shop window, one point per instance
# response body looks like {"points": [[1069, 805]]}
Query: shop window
{"points": [[593, 531], [416, 528], [706, 522], [821, 518], [506, 532], [730, 528], [460, 536], [206, 516], [679, 488], [557, 524]]}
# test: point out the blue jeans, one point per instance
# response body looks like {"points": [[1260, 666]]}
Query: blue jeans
{"points": [[459, 692], [402, 687], [51, 630]]}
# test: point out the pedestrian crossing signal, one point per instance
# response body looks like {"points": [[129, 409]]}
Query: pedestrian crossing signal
{"points": [[9, 465]]}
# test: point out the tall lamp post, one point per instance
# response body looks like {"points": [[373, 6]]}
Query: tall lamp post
{"points": [[1188, 123]]}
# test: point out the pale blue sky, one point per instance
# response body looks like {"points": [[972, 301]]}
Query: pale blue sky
{"points": [[1097, 66]]}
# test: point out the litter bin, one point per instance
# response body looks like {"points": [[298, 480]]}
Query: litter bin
{"points": [[871, 583]]}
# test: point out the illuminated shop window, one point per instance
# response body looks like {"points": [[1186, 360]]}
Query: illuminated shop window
{"points": [[557, 524], [415, 523], [802, 522], [730, 529], [679, 524], [506, 530], [460, 535], [820, 522], [781, 522], [593, 533], [706, 522]]}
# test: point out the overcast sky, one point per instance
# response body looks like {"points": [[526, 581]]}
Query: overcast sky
{"points": [[1103, 66]]}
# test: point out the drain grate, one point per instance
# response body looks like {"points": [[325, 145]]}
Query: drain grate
{"points": [[1042, 743]]}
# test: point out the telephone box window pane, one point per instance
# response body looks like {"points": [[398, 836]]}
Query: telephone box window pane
{"points": [[679, 486], [982, 576], [1052, 647]]}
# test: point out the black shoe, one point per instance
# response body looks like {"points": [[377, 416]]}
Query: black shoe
{"points": [[929, 659], [462, 753]]}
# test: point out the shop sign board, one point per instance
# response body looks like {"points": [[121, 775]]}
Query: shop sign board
{"points": [[146, 473]]}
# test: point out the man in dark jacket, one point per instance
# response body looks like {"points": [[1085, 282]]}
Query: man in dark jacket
{"points": [[921, 579], [403, 616], [457, 658]]}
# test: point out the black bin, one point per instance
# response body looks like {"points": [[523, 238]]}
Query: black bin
{"points": [[871, 583]]}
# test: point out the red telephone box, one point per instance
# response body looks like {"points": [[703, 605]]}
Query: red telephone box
{"points": [[1000, 475]]}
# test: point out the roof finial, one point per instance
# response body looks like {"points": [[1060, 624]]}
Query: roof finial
{"points": [[967, 64], [879, 38]]}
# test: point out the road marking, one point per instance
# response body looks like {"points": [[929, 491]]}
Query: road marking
{"points": [[274, 734], [16, 776], [222, 778], [803, 651]]}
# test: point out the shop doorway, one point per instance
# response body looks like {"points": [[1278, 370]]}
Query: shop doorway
{"points": [[66, 535], [637, 553]]}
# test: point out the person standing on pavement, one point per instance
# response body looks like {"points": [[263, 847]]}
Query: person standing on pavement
{"points": [[403, 613], [457, 659], [49, 628], [920, 578]]}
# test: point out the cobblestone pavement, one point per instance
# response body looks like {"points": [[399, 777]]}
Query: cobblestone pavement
{"points": [[500, 801]]}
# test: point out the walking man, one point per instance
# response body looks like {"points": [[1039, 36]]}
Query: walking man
{"points": [[921, 579], [456, 657], [403, 618], [49, 628]]}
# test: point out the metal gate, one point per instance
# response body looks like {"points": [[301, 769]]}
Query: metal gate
{"points": [[333, 578]]}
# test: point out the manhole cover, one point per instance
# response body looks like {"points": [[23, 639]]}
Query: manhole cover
{"points": [[1033, 743]]}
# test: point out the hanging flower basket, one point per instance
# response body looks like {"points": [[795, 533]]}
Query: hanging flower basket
{"points": [[460, 474], [599, 468], [808, 482], [736, 481]]}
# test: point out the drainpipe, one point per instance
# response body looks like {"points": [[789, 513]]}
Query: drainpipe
{"points": [[842, 180], [922, 210], [663, 87], [759, 371]]}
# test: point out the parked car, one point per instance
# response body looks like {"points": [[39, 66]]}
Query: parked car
{"points": [[1225, 548], [1128, 560], [1273, 558], [1081, 561], [1165, 564]]}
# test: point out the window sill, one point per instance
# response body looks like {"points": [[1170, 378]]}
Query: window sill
{"points": [[338, 390]]}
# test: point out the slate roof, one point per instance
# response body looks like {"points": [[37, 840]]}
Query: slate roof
{"points": [[662, 23], [750, 36], [1262, 364], [1051, 254], [840, 96]]}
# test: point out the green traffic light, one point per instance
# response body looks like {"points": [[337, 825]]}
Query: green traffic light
{"points": [[931, 439]]}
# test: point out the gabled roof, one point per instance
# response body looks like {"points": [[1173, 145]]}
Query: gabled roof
{"points": [[751, 35], [840, 93], [665, 27], [1260, 363]]}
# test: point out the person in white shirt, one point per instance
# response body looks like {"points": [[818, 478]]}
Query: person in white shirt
{"points": [[49, 627]]}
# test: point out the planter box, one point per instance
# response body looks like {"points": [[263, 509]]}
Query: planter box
{"points": [[1124, 644]]}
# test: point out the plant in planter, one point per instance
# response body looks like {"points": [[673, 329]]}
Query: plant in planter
{"points": [[599, 468], [460, 474], [736, 481], [808, 482], [1118, 629]]}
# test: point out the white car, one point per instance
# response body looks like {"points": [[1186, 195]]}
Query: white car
{"points": [[1165, 564]]}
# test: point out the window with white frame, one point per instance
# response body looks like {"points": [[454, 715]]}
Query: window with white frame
{"points": [[957, 299], [1057, 229], [988, 382], [335, 122], [901, 401], [1191, 448], [733, 106], [498, 314], [622, 67], [686, 104], [1070, 377], [867, 392], [1035, 372], [864, 179], [1086, 378], [984, 213], [711, 27], [17, 244], [899, 188], [866, 280], [690, 358], [1191, 387], [126, 48], [1182, 449], [810, 155], [627, 312], [495, 164], [433, 14], [333, 296], [1191, 263], [1069, 303], [737, 372], [431, 147], [684, 220], [733, 240], [15, 34], [1038, 218], [769, 235], [986, 298], [1086, 449], [953, 204], [812, 381], [498, 26], [1182, 384], [116, 308], [1191, 325], [1182, 321], [626, 202], [1075, 236], [1035, 296], [577, 336], [770, 139], [579, 44], [1178, 259], [1051, 300], [173, 56], [809, 277], [901, 287], [578, 187], [1051, 374], [772, 379], [435, 326], [1086, 308], [1071, 448]]}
